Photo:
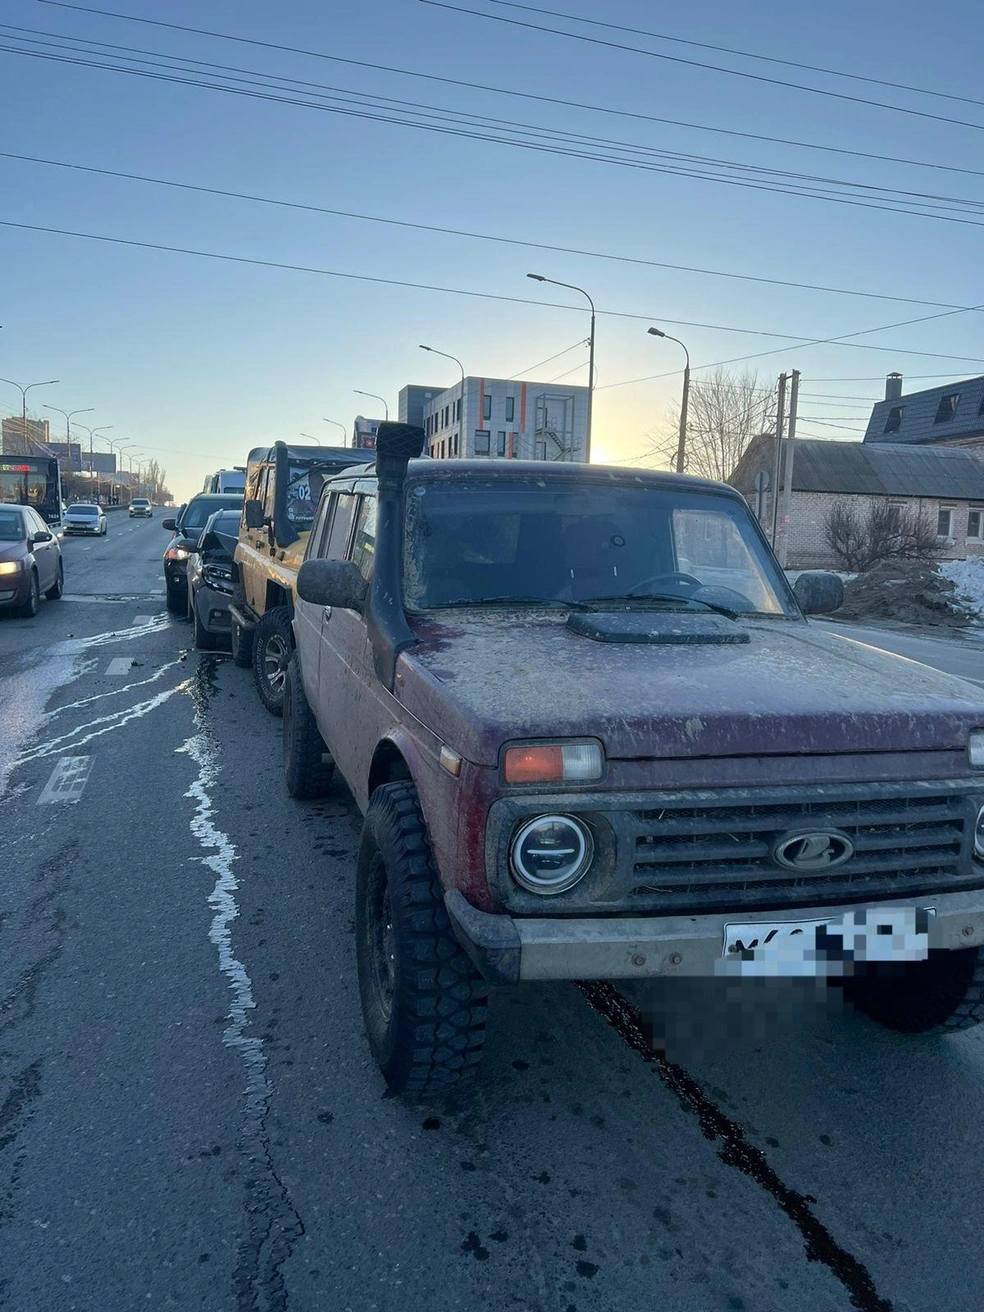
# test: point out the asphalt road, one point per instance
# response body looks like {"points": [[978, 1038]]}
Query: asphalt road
{"points": [[189, 1116]]}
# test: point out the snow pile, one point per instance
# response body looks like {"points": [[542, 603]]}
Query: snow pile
{"points": [[967, 576], [908, 592]]}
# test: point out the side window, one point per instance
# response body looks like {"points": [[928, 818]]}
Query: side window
{"points": [[364, 543], [336, 547], [35, 524], [268, 487], [315, 546]]}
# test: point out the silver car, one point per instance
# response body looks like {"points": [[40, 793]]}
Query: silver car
{"points": [[86, 517]]}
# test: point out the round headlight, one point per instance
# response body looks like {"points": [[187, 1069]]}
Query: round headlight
{"points": [[979, 835], [550, 853]]}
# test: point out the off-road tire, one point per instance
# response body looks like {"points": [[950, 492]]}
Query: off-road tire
{"points": [[54, 593], [204, 641], [272, 646], [30, 607], [938, 996], [423, 1002], [308, 767], [176, 602]]}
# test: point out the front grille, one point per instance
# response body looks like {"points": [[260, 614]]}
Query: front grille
{"points": [[715, 852]]}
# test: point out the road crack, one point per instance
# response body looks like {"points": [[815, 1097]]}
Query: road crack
{"points": [[736, 1150]]}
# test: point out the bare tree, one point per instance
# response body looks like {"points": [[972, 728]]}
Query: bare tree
{"points": [[727, 410], [884, 532]]}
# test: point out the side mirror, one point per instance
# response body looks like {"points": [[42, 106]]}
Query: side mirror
{"points": [[332, 583], [40, 537], [818, 592], [170, 524], [253, 511]]}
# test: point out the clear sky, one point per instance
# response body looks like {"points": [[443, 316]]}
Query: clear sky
{"points": [[195, 360]]}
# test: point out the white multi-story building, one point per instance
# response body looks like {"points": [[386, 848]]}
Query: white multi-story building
{"points": [[500, 418]]}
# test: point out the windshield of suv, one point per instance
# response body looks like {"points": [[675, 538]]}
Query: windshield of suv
{"points": [[198, 512], [508, 541]]}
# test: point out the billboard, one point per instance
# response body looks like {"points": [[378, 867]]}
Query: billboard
{"points": [[364, 432], [69, 455], [100, 462]]}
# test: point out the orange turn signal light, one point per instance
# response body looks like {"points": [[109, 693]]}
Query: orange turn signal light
{"points": [[553, 763]]}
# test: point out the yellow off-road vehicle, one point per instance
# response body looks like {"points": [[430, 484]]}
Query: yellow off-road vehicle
{"points": [[283, 487]]}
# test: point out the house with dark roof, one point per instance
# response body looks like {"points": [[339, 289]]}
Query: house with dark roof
{"points": [[951, 415], [942, 485]]}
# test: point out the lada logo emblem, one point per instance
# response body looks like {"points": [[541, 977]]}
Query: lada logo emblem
{"points": [[816, 850]]}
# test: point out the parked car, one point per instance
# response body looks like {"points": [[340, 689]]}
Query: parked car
{"points": [[595, 737], [30, 560], [283, 485], [210, 580], [186, 529], [87, 518], [141, 506]]}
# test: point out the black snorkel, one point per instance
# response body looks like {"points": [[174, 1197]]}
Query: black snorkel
{"points": [[386, 621]]}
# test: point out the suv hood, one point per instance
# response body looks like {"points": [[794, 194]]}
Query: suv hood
{"points": [[480, 679]]}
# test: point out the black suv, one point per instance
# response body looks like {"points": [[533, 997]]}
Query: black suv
{"points": [[187, 529]]}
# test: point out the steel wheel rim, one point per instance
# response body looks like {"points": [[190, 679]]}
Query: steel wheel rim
{"points": [[275, 658]]}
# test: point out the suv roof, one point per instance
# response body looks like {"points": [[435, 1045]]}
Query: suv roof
{"points": [[316, 454], [459, 471]]}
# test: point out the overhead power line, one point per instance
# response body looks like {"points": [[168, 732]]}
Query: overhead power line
{"points": [[514, 94], [696, 63], [796, 343], [743, 54], [468, 234], [533, 137]]}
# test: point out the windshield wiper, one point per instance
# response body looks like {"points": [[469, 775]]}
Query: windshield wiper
{"points": [[553, 603], [594, 603]]}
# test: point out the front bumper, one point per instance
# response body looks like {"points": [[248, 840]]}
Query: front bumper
{"points": [[213, 611], [508, 949], [83, 529]]}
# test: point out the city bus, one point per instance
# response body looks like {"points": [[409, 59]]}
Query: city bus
{"points": [[33, 481]]}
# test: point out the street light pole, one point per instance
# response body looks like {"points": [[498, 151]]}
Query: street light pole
{"points": [[68, 424], [681, 454], [461, 420], [386, 413], [538, 277], [50, 382], [338, 425], [104, 428]]}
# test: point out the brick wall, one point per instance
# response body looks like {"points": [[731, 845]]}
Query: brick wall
{"points": [[809, 510]]}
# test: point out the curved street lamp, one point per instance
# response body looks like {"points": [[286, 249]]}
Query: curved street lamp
{"points": [[386, 413], [49, 382], [538, 277], [684, 401]]}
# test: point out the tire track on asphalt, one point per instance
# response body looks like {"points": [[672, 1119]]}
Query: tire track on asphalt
{"points": [[273, 1225], [627, 1021]]}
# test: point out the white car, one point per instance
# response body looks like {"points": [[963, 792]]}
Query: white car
{"points": [[86, 517], [141, 506]]}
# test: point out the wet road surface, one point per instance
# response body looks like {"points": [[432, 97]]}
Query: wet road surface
{"points": [[189, 1116]]}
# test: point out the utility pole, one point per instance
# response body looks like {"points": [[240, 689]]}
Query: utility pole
{"points": [[787, 486], [777, 470]]}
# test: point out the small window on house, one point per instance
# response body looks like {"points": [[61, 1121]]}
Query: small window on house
{"points": [[457, 411], [944, 522], [895, 509], [975, 523], [894, 421], [482, 438], [455, 441], [511, 409], [500, 444], [947, 408], [487, 407]]}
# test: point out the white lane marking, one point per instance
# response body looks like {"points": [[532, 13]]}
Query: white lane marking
{"points": [[67, 780], [121, 665], [75, 646], [114, 692], [85, 733], [145, 619]]}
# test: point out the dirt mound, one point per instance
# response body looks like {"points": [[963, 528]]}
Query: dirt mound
{"points": [[907, 591]]}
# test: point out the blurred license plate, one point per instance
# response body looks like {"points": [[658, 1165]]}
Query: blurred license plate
{"points": [[829, 946]]}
